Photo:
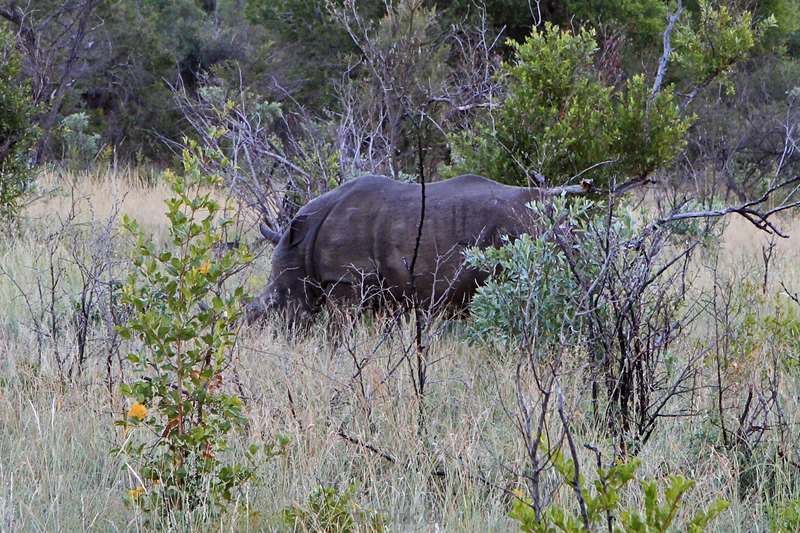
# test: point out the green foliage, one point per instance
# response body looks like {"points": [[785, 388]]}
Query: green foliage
{"points": [[603, 504], [532, 275], [17, 133], [296, 20], [561, 119], [786, 29], [642, 19], [179, 424], [222, 102], [784, 517], [709, 47], [332, 511], [533, 291], [122, 79], [761, 323], [79, 147], [314, 46], [140, 50]]}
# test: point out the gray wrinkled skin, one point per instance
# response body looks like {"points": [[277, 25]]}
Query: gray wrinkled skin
{"points": [[355, 244]]}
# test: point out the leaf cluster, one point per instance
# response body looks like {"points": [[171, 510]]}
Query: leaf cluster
{"points": [[533, 291], [711, 45], [332, 511], [603, 504]]}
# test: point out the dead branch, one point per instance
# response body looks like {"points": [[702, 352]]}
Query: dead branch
{"points": [[663, 62], [751, 211], [575, 482]]}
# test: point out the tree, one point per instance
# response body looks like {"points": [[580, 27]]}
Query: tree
{"points": [[561, 119], [17, 133], [311, 47], [53, 36], [641, 19]]}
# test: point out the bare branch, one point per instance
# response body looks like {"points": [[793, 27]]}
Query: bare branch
{"points": [[663, 62], [749, 210], [576, 480]]}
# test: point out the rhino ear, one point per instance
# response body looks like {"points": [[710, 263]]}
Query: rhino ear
{"points": [[297, 230]]}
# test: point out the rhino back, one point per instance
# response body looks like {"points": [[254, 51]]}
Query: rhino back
{"points": [[372, 229]]}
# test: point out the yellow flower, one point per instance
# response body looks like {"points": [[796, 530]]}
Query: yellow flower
{"points": [[137, 410], [135, 493], [204, 268]]}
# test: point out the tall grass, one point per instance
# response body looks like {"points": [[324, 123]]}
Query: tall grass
{"points": [[56, 472]]}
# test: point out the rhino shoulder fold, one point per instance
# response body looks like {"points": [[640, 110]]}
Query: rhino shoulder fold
{"points": [[298, 228]]}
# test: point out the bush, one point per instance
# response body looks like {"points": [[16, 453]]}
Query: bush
{"points": [[560, 118], [711, 47], [332, 511], [179, 422], [533, 291], [603, 504], [784, 517], [79, 147], [594, 282], [17, 133]]}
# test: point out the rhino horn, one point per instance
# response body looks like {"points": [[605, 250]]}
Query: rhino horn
{"points": [[270, 235]]}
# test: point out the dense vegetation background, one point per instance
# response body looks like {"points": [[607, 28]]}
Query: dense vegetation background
{"points": [[101, 74]]}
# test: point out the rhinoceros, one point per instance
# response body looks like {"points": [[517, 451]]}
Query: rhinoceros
{"points": [[357, 243]]}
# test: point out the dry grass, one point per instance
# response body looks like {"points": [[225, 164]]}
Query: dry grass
{"points": [[56, 473], [100, 193]]}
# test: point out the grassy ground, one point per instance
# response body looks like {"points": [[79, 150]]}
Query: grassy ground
{"points": [[56, 472]]}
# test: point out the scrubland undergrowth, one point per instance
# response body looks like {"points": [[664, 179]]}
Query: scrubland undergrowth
{"points": [[456, 474]]}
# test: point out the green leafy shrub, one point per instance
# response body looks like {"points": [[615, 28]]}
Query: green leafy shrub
{"points": [[79, 147], [179, 424], [531, 283], [561, 119], [603, 504], [332, 511], [596, 284], [532, 290], [784, 517], [17, 133], [710, 46]]}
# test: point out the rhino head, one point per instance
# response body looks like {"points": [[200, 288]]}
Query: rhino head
{"points": [[287, 294], [285, 297], [271, 301]]}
